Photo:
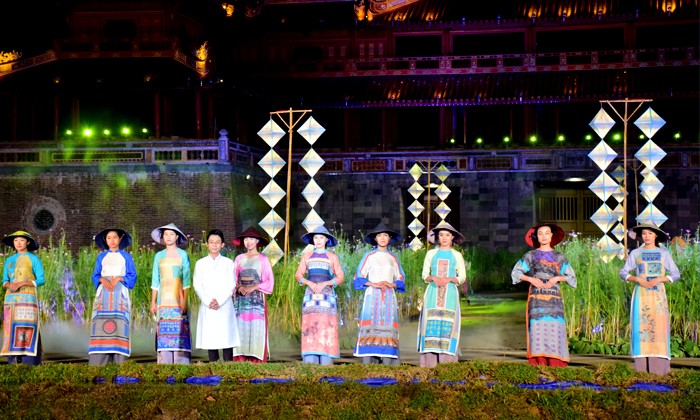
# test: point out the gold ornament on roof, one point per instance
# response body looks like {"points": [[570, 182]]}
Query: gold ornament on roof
{"points": [[228, 8], [202, 53], [8, 57]]}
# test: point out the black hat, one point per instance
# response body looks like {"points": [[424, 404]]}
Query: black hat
{"points": [[101, 238], [382, 228], [9, 240], [251, 232], [308, 238]]}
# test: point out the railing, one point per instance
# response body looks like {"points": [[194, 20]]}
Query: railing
{"points": [[495, 63], [222, 151]]}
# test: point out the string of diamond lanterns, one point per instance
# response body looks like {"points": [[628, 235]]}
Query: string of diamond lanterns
{"points": [[272, 163], [416, 190], [614, 221]]}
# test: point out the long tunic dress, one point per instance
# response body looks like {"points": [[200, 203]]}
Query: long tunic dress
{"points": [[319, 314], [439, 325], [171, 275], [649, 316], [21, 309], [546, 326], [378, 333], [251, 309], [110, 330], [214, 279]]}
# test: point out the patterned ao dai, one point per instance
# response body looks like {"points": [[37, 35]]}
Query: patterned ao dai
{"points": [[319, 314], [546, 326], [251, 309], [110, 331], [439, 325], [649, 316], [21, 309], [378, 333], [171, 275]]}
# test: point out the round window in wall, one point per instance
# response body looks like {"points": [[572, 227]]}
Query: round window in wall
{"points": [[44, 215]]}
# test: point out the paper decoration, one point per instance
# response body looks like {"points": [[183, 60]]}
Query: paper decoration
{"points": [[602, 123]]}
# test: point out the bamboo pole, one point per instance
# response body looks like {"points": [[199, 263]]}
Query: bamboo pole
{"points": [[625, 119], [290, 124]]}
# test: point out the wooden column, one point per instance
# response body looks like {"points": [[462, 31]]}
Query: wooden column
{"points": [[156, 114], [55, 116], [210, 114], [198, 113]]}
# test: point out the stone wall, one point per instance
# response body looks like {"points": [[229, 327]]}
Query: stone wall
{"points": [[492, 209]]}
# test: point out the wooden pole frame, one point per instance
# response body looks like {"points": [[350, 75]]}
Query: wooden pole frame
{"points": [[290, 119], [625, 119]]}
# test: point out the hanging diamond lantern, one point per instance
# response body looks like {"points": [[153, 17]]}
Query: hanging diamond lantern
{"points": [[416, 208], [604, 218], [272, 193], [602, 123], [651, 187], [271, 133], [272, 223], [602, 155], [648, 170], [609, 249], [442, 172], [442, 192], [312, 221], [604, 186], [416, 171], [416, 244], [649, 122], [311, 162], [274, 252], [651, 215], [416, 226], [619, 232], [312, 192], [311, 130], [271, 163], [650, 154], [619, 212], [416, 190], [618, 173], [442, 210], [618, 194]]}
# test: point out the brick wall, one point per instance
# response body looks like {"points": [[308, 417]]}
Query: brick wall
{"points": [[491, 209]]}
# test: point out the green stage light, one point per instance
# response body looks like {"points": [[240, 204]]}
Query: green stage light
{"points": [[506, 139], [533, 139], [106, 132], [677, 136], [479, 140], [87, 132], [69, 132], [642, 137], [616, 136], [452, 141], [589, 137], [561, 137], [144, 130], [126, 131]]}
